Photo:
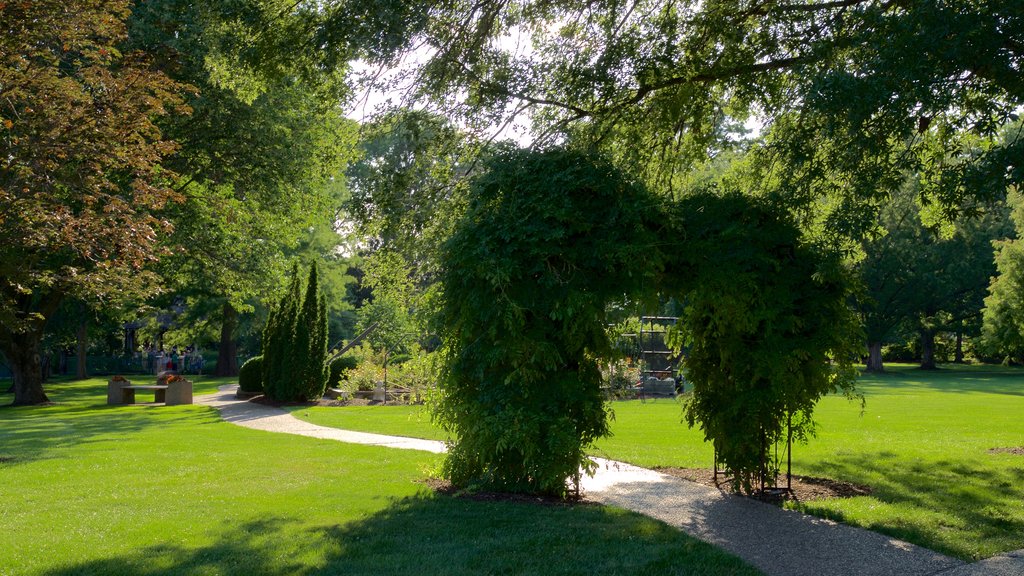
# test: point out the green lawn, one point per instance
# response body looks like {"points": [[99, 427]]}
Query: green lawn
{"points": [[91, 489], [921, 444]]}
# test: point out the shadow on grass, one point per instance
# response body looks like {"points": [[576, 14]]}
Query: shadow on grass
{"points": [[1008, 381], [437, 535], [957, 507], [79, 415]]}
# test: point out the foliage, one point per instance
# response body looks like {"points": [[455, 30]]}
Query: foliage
{"points": [[550, 238], [418, 374], [767, 328], [547, 240], [921, 277], [250, 375], [1003, 328], [364, 377], [310, 347], [295, 343], [852, 95], [391, 309], [82, 192], [259, 160], [340, 368], [621, 377]]}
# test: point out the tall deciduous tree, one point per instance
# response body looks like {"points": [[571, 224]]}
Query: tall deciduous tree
{"points": [[921, 279], [261, 157], [81, 186], [853, 93]]}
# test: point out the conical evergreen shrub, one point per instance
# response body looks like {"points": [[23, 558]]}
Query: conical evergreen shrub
{"points": [[295, 343]]}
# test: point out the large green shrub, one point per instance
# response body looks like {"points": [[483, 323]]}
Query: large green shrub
{"points": [[339, 366], [295, 343], [548, 238], [250, 375], [767, 327]]}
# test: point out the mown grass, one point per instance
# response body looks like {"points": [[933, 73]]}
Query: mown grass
{"points": [[145, 490], [921, 444]]}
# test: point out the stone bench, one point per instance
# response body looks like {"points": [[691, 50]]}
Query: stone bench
{"points": [[170, 390], [654, 387]]}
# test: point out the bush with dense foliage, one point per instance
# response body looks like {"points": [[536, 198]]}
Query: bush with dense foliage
{"points": [[548, 239], [340, 366], [250, 375], [295, 343], [767, 328]]}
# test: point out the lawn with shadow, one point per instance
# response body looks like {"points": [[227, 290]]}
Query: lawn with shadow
{"points": [[921, 443], [91, 489]]}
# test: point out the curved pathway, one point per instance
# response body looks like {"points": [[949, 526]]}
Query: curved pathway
{"points": [[778, 542]]}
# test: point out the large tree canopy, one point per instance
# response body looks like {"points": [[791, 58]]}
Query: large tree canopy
{"points": [[260, 158], [853, 93], [81, 181]]}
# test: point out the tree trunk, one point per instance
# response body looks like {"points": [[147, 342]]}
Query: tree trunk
{"points": [[874, 363], [81, 371], [22, 350], [227, 352], [958, 356], [928, 350]]}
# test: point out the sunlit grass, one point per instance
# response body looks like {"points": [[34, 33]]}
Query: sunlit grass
{"points": [[921, 444], [87, 488]]}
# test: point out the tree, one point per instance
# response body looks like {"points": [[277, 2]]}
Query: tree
{"points": [[854, 94], [310, 346], [295, 343], [82, 190], [923, 279], [261, 157], [1003, 323], [278, 336]]}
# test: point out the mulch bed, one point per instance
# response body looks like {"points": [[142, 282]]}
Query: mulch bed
{"points": [[1015, 450], [444, 487], [804, 488]]}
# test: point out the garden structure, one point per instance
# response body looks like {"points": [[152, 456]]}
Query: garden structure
{"points": [[548, 240]]}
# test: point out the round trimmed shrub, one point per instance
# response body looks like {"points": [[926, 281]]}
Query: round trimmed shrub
{"points": [[250, 375], [339, 366]]}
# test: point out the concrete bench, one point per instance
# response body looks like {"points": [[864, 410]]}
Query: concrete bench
{"points": [[171, 391], [655, 388]]}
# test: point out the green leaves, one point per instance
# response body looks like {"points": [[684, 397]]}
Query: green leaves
{"points": [[548, 238], [295, 343]]}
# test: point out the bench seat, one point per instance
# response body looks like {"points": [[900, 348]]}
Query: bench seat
{"points": [[174, 392]]}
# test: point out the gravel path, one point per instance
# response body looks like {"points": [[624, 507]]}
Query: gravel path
{"points": [[778, 542]]}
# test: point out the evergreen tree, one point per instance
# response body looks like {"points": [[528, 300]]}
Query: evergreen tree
{"points": [[267, 368], [279, 358], [310, 343], [295, 342]]}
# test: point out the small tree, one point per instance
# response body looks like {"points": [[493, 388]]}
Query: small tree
{"points": [[310, 344], [295, 343]]}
